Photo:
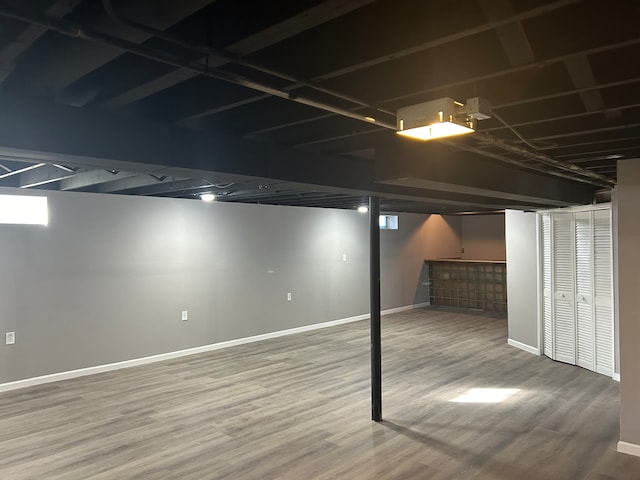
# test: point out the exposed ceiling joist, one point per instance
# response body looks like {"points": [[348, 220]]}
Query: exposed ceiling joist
{"points": [[512, 36], [42, 176], [534, 12], [11, 52], [556, 72], [582, 77], [314, 16], [91, 178]]}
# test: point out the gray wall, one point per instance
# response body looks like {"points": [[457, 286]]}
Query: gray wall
{"points": [[522, 277], [107, 279], [626, 202], [443, 234], [483, 237]]}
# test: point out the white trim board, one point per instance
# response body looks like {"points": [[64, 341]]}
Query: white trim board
{"points": [[629, 448], [55, 377], [616, 377], [524, 346]]}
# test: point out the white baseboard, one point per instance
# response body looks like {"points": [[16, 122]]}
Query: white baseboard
{"points": [[616, 377], [55, 377], [524, 346], [403, 309], [629, 448]]}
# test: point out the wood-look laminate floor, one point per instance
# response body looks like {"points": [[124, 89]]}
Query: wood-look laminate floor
{"points": [[298, 407]]}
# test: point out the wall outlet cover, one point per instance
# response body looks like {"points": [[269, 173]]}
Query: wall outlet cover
{"points": [[185, 315], [289, 296], [10, 338]]}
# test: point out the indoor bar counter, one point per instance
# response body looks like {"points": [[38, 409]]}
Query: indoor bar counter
{"points": [[475, 284]]}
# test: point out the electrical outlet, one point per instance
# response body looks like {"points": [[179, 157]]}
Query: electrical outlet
{"points": [[10, 338], [344, 257], [185, 315], [289, 296]]}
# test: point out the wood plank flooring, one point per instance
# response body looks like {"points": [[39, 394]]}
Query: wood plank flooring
{"points": [[298, 407]]}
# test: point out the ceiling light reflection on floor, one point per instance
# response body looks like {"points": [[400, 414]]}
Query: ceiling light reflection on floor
{"points": [[486, 395]]}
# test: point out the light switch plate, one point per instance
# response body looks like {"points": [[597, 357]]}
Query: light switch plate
{"points": [[10, 338], [185, 315]]}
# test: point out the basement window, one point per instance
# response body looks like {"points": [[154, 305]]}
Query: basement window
{"points": [[388, 222], [23, 210]]}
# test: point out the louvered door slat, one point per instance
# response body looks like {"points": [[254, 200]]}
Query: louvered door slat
{"points": [[585, 330], [547, 312], [563, 288], [603, 292]]}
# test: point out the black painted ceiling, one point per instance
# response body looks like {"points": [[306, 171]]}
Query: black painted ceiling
{"points": [[301, 75]]}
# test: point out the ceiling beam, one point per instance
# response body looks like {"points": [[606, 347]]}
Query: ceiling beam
{"points": [[125, 185], [171, 185], [61, 134], [311, 18], [434, 166]]}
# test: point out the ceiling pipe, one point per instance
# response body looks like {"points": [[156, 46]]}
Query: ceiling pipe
{"points": [[547, 160], [519, 163], [233, 58], [72, 29], [66, 27]]}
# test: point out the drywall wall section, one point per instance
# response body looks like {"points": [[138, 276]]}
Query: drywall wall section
{"points": [[483, 237], [107, 279], [626, 203], [522, 279], [437, 237], [442, 235]]}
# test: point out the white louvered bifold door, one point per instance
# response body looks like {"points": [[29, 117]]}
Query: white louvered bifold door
{"points": [[585, 327], [563, 287], [547, 288], [603, 291]]}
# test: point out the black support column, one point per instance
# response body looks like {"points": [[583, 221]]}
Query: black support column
{"points": [[374, 285]]}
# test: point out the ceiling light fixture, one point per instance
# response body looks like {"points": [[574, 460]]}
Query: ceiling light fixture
{"points": [[441, 118], [207, 197], [363, 209]]}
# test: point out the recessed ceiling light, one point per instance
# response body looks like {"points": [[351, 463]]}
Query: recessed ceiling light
{"points": [[207, 197], [363, 209]]}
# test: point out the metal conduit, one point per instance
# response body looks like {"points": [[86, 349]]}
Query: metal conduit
{"points": [[72, 29]]}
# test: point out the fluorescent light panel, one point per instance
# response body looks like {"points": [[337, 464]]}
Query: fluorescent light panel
{"points": [[23, 210], [436, 130]]}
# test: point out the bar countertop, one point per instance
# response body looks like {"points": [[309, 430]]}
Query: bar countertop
{"points": [[461, 260]]}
